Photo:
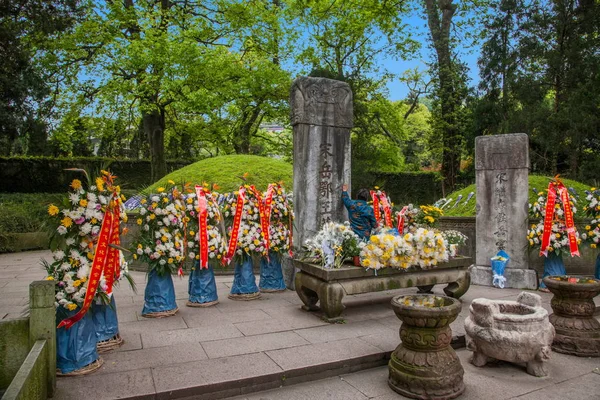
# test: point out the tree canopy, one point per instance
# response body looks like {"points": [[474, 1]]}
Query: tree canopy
{"points": [[188, 80]]}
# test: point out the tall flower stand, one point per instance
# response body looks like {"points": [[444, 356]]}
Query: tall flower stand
{"points": [[424, 365], [553, 266], [202, 287], [107, 325], [271, 276], [76, 352], [244, 283], [159, 296]]}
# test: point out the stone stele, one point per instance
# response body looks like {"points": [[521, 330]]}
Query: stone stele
{"points": [[502, 173], [514, 331], [322, 116]]}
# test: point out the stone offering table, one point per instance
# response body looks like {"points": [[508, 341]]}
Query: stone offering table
{"points": [[315, 283]]}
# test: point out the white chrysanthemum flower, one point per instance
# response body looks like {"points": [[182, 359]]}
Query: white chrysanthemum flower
{"points": [[61, 230]]}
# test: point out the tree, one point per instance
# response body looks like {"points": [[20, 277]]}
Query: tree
{"points": [[450, 88], [26, 27]]}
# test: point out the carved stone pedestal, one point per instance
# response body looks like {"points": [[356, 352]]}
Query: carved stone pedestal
{"points": [[424, 366], [577, 331], [514, 331]]}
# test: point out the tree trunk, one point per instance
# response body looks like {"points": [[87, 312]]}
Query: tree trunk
{"points": [[248, 128], [154, 127], [449, 103]]}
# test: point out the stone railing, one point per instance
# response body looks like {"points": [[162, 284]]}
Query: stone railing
{"points": [[28, 348]]}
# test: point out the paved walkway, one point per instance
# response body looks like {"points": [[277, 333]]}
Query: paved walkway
{"points": [[246, 349]]}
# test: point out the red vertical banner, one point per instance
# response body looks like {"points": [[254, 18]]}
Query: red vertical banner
{"points": [[202, 226], [548, 219], [375, 198], [401, 220], [387, 211], [569, 222], [235, 229], [112, 269]]}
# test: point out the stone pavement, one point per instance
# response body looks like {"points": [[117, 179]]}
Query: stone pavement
{"points": [[246, 349]]}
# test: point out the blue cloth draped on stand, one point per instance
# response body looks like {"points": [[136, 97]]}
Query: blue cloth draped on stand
{"points": [[271, 276], [202, 287], [597, 273], [244, 281], [105, 320], [159, 294], [76, 346], [553, 265]]}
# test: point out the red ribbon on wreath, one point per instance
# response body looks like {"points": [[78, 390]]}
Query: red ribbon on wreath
{"points": [[401, 219], [387, 211], [375, 198], [202, 226], [235, 229]]}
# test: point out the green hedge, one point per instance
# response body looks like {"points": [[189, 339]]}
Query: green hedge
{"points": [[47, 174], [403, 187]]}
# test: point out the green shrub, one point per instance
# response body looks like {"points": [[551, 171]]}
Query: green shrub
{"points": [[226, 171], [23, 213], [48, 174], [402, 187]]}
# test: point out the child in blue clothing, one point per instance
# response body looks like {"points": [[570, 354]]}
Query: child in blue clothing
{"points": [[362, 216]]}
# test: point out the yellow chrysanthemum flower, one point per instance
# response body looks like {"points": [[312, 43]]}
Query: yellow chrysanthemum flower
{"points": [[76, 184], [171, 182], [139, 221], [71, 306], [160, 189], [83, 203], [53, 210], [100, 184], [66, 222], [49, 278]]}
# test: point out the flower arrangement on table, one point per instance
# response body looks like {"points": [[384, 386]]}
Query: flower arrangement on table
{"points": [[551, 233], [454, 239], [162, 234], [77, 227], [213, 231], [592, 210], [333, 245], [424, 248]]}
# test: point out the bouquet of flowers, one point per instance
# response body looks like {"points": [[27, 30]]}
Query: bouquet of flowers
{"points": [[454, 239], [280, 228], [422, 217], [387, 250], [592, 210], [214, 227], [161, 241], [430, 247], [332, 245], [558, 238], [77, 226]]}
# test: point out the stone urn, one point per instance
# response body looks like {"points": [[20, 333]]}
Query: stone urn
{"points": [[424, 366], [577, 331], [514, 331]]}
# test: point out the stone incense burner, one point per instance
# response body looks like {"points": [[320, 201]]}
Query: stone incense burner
{"points": [[424, 366], [514, 331], [577, 331]]}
